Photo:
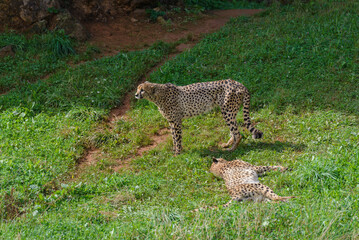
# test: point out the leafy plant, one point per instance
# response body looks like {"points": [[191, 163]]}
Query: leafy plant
{"points": [[153, 14], [60, 44], [53, 10]]}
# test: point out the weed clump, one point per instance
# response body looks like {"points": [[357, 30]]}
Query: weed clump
{"points": [[9, 208]]}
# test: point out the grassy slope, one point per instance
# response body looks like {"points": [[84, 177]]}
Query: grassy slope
{"points": [[301, 65], [36, 57], [45, 126]]}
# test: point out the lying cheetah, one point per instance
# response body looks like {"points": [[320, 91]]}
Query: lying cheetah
{"points": [[177, 102], [242, 180]]}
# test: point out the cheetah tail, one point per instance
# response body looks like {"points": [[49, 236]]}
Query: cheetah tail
{"points": [[247, 121]]}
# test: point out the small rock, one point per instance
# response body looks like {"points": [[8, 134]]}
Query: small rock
{"points": [[35, 10], [6, 51], [134, 20], [71, 26], [39, 27], [139, 13]]}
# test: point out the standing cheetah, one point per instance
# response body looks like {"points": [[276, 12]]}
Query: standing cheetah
{"points": [[242, 182], [177, 102]]}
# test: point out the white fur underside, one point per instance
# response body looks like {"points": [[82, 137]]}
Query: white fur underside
{"points": [[237, 176]]}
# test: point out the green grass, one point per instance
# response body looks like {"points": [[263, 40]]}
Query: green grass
{"points": [[292, 56], [35, 57], [155, 197], [300, 63], [45, 126]]}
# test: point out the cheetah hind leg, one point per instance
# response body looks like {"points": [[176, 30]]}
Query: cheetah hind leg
{"points": [[268, 193], [229, 143], [230, 119], [283, 199]]}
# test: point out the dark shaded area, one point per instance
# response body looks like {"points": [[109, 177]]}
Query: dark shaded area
{"points": [[40, 15], [243, 148]]}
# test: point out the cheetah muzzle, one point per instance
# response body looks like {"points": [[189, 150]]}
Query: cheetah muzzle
{"points": [[178, 102]]}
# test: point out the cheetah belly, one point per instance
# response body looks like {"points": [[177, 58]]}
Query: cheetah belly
{"points": [[258, 198], [235, 177], [195, 104]]}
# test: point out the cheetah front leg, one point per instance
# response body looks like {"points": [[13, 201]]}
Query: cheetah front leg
{"points": [[230, 119], [262, 169], [176, 130]]}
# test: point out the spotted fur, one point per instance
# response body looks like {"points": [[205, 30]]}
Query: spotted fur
{"points": [[177, 102], [242, 182]]}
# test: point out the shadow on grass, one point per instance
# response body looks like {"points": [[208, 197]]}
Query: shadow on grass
{"points": [[244, 148]]}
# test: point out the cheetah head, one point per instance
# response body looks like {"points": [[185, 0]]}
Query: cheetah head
{"points": [[144, 90], [217, 166]]}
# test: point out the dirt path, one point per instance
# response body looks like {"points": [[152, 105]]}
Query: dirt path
{"points": [[122, 34], [91, 155]]}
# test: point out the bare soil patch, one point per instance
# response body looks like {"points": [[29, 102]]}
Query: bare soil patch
{"points": [[122, 33], [89, 158], [160, 137]]}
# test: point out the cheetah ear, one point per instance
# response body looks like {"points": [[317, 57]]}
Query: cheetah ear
{"points": [[153, 89], [149, 88], [214, 160]]}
